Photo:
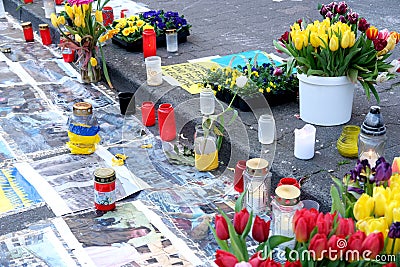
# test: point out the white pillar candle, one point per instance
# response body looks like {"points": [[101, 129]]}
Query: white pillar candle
{"points": [[304, 142]]}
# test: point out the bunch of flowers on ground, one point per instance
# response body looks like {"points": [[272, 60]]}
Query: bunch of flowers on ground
{"points": [[130, 29], [162, 21], [85, 30], [342, 44]]}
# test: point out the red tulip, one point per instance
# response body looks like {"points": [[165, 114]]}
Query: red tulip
{"points": [[240, 220], [354, 243], [345, 227], [396, 164], [337, 245], [372, 33], [319, 245], [270, 263], [324, 223], [225, 259], [374, 244], [256, 259], [392, 264], [221, 227], [293, 264], [260, 230], [301, 231]]}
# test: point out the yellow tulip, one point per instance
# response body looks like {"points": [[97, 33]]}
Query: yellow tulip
{"points": [[103, 38], [362, 225], [93, 61], [69, 11], [395, 180], [78, 21], [54, 21], [300, 40], [396, 249], [314, 39], [345, 42], [61, 20], [377, 225], [323, 40], [363, 207], [380, 204], [392, 208], [85, 7], [396, 214], [78, 38], [334, 43], [99, 16]]}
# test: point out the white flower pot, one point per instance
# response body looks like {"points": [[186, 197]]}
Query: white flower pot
{"points": [[325, 101]]}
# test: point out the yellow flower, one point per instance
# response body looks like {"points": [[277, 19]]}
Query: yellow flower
{"points": [[381, 197], [126, 32], [133, 18], [363, 207], [255, 73], [121, 24], [392, 210], [345, 42], [147, 26], [362, 225], [85, 7], [130, 23], [352, 39], [214, 68], [334, 43], [117, 162], [377, 225], [268, 89], [261, 90], [323, 40], [395, 181], [54, 20], [140, 23], [300, 40], [93, 61], [78, 21], [69, 11], [78, 38], [61, 20], [219, 87], [314, 39], [132, 29], [121, 156], [396, 249], [99, 16]]}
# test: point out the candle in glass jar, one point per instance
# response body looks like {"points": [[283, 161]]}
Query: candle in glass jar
{"points": [[28, 31], [149, 43], [45, 34]]}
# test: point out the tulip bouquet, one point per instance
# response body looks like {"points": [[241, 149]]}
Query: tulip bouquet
{"points": [[327, 240], [232, 238], [85, 29], [342, 44]]}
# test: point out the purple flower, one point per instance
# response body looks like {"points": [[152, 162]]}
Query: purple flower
{"points": [[394, 230], [161, 25], [363, 25], [171, 14], [341, 8], [352, 17], [355, 189], [383, 172], [323, 10], [331, 6], [79, 2], [379, 44], [329, 15], [342, 19], [277, 72], [149, 14]]}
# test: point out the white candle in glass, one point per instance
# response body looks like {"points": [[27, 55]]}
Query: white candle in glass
{"points": [[266, 129], [371, 156], [304, 142]]}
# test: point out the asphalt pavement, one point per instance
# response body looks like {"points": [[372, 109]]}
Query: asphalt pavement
{"points": [[226, 27]]}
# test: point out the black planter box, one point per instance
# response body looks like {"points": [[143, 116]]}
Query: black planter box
{"points": [[281, 97], [137, 46]]}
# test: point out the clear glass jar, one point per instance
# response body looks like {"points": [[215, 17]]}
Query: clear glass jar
{"points": [[171, 37], [347, 142], [207, 101], [205, 149], [83, 129], [372, 138], [266, 129], [284, 206], [257, 182]]}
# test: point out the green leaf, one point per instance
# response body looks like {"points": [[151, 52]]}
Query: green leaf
{"points": [[303, 61], [276, 240], [239, 202], [238, 247], [235, 115], [221, 243], [315, 72], [339, 184], [337, 204], [353, 75]]}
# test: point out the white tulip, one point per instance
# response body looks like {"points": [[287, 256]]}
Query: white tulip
{"points": [[396, 65], [382, 77], [241, 81]]}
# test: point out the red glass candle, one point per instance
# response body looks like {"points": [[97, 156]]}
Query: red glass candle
{"points": [[149, 43], [108, 15], [123, 13], [68, 55], [59, 2], [104, 189], [166, 122], [28, 1], [238, 182], [28, 31], [45, 34], [148, 113], [289, 181]]}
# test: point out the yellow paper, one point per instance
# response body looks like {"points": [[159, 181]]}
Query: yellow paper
{"points": [[188, 75]]}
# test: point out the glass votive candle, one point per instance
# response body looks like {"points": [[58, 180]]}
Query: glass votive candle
{"points": [[153, 70], [45, 33], [148, 113], [171, 37], [266, 129], [28, 31], [207, 101]]}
